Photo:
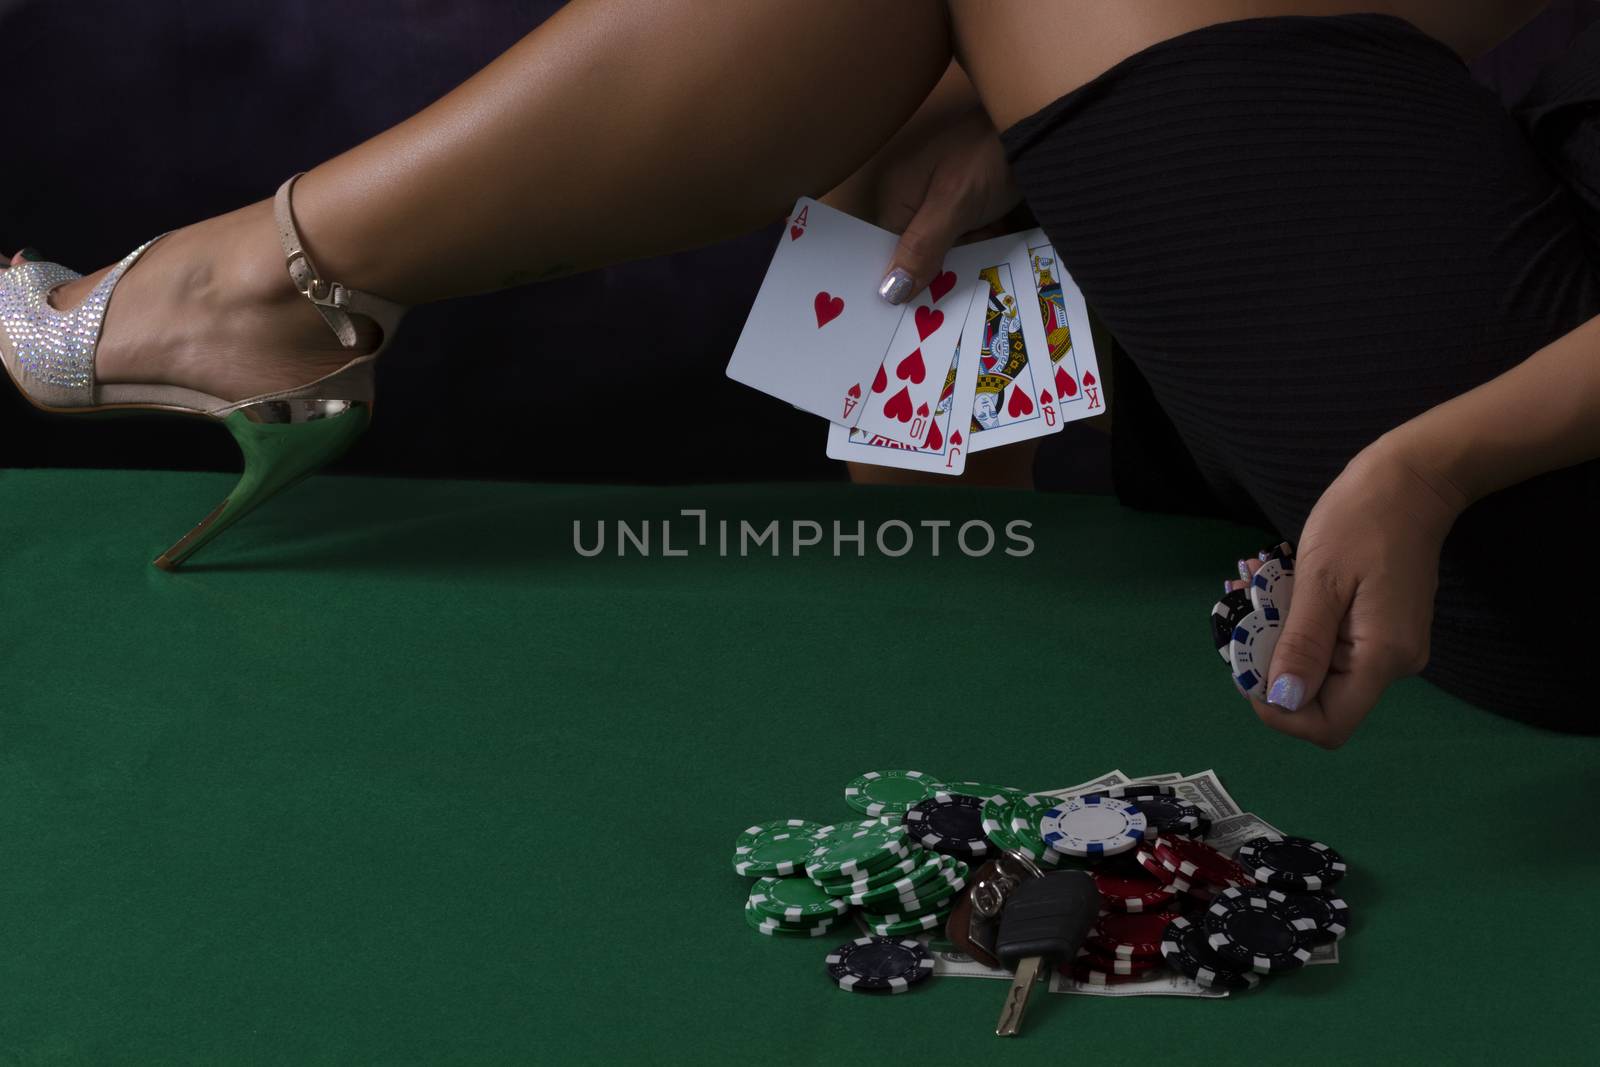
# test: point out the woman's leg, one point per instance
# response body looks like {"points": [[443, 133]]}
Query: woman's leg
{"points": [[614, 131]]}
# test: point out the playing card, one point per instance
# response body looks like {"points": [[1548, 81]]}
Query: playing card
{"points": [[908, 383], [944, 443], [1015, 395], [818, 328], [1075, 372]]}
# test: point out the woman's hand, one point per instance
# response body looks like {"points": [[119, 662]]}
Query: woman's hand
{"points": [[1366, 570], [940, 181], [947, 192]]}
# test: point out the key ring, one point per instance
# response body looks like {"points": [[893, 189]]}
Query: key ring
{"points": [[988, 897]]}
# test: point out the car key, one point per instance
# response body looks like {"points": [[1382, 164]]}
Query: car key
{"points": [[988, 895], [1044, 919]]}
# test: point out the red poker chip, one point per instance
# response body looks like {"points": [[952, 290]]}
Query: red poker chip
{"points": [[1175, 882], [1127, 935], [1153, 865], [1193, 859], [1128, 887], [1089, 961]]}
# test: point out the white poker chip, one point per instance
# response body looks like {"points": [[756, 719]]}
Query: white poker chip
{"points": [[1250, 652], [1272, 588], [1093, 826]]}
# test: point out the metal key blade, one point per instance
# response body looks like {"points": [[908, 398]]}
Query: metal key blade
{"points": [[1017, 997]]}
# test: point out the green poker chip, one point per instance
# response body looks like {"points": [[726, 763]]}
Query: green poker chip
{"points": [[929, 864], [857, 849], [752, 835], [894, 918], [947, 882], [910, 926], [889, 792], [1025, 815], [845, 887], [771, 927], [777, 852], [997, 820], [794, 900]]}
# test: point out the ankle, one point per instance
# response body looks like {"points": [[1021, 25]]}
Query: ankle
{"points": [[235, 273]]}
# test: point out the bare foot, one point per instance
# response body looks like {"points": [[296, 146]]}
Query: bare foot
{"points": [[211, 307]]}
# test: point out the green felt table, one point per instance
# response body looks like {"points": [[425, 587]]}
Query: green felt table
{"points": [[391, 774]]}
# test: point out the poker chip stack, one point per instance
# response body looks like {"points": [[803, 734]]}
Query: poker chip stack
{"points": [[1221, 921], [1168, 898], [898, 871], [1247, 621]]}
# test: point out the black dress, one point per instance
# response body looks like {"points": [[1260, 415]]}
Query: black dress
{"points": [[1305, 231]]}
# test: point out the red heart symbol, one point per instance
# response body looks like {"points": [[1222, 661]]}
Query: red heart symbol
{"points": [[941, 285], [881, 382], [935, 439], [928, 320], [922, 409], [911, 367], [955, 438], [1088, 377], [795, 232], [1045, 397], [1064, 383], [855, 390], [828, 308], [899, 406], [1020, 404]]}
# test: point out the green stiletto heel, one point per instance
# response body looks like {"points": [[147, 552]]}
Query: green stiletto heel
{"points": [[283, 442], [285, 435]]}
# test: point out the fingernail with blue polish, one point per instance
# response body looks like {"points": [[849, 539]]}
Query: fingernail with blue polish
{"points": [[895, 287], [1287, 692]]}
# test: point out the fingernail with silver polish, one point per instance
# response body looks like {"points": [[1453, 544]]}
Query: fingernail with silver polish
{"points": [[1244, 570], [1287, 692], [895, 287]]}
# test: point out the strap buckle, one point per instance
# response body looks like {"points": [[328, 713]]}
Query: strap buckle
{"points": [[314, 288]]}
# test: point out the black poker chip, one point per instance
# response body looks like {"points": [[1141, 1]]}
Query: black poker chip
{"points": [[1225, 615], [1171, 815], [1291, 862], [1325, 908], [1187, 949], [880, 964], [951, 823], [1255, 929]]}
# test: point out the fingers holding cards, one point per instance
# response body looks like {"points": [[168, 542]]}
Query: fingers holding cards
{"points": [[996, 349]]}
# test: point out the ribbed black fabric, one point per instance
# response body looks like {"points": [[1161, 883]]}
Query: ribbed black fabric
{"points": [[1307, 230]]}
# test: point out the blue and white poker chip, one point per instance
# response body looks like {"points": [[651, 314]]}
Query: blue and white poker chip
{"points": [[1273, 587], [1250, 651], [1093, 826]]}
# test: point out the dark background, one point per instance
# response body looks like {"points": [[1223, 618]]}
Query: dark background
{"points": [[131, 119]]}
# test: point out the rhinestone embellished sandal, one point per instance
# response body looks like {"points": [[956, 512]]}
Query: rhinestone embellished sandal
{"points": [[284, 435]]}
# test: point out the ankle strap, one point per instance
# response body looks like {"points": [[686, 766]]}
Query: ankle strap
{"points": [[334, 301]]}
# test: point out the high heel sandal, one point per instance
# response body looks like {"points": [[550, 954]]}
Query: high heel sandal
{"points": [[284, 435]]}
